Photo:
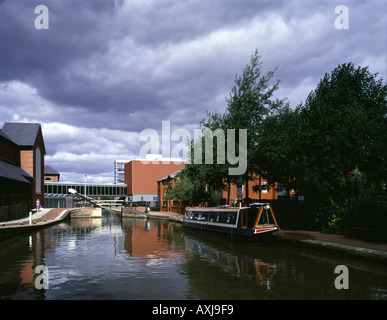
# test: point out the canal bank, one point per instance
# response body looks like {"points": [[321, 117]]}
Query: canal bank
{"points": [[133, 213], [307, 239], [335, 243]]}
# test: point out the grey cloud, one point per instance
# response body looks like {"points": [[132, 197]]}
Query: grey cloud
{"points": [[128, 65]]}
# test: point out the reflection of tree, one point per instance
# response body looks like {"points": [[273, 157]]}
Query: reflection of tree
{"points": [[265, 272], [219, 272]]}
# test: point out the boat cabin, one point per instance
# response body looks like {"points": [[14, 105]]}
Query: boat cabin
{"points": [[257, 218]]}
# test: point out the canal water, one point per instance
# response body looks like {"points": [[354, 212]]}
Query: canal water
{"points": [[114, 258]]}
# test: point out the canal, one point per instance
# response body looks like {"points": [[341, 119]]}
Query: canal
{"points": [[110, 258]]}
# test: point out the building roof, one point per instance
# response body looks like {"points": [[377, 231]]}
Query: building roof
{"points": [[12, 172], [4, 135], [49, 171], [23, 134], [172, 175]]}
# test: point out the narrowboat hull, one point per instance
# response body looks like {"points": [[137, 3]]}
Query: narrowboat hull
{"points": [[258, 234], [247, 223]]}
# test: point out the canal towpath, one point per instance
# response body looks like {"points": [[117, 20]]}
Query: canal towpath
{"points": [[311, 239], [44, 216]]}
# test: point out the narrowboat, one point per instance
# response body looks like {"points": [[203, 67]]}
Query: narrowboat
{"points": [[240, 222]]}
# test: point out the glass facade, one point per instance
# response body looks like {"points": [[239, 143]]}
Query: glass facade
{"points": [[92, 190], [119, 171]]}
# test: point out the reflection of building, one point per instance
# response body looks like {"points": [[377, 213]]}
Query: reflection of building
{"points": [[141, 177], [143, 241], [22, 153]]}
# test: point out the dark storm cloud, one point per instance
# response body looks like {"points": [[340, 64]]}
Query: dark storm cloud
{"points": [[71, 66], [106, 69]]}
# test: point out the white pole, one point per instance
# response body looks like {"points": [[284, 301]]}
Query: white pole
{"points": [[85, 183], [30, 217]]}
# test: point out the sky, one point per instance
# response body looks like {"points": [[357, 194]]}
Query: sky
{"points": [[96, 73]]}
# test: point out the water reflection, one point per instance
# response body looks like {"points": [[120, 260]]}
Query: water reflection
{"points": [[231, 262], [138, 259], [152, 244]]}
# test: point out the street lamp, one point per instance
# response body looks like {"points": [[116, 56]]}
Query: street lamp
{"points": [[85, 184]]}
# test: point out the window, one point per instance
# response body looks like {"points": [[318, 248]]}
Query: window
{"points": [[229, 217], [38, 171], [215, 217]]}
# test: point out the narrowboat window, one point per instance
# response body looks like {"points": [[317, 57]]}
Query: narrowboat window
{"points": [[229, 217], [215, 217], [194, 215], [203, 216], [187, 215]]}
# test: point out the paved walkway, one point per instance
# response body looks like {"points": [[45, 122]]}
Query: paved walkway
{"points": [[313, 235], [45, 215], [337, 244]]}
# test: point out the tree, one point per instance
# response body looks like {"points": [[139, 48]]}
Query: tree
{"points": [[341, 128], [190, 191], [345, 121], [250, 102], [278, 143]]}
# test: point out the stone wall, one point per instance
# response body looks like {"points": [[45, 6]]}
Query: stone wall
{"points": [[86, 213]]}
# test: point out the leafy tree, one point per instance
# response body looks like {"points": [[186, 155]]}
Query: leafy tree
{"points": [[189, 187], [341, 129], [250, 102], [344, 127], [278, 142]]}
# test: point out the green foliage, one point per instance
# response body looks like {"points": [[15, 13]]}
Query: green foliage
{"points": [[188, 188], [250, 102], [329, 217], [332, 149], [277, 141]]}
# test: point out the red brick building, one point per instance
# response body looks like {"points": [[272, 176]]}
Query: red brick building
{"points": [[51, 174], [232, 195], [22, 153], [258, 190], [141, 177], [166, 183]]}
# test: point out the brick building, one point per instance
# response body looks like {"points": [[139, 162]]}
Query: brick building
{"points": [[22, 153], [258, 190], [166, 183], [141, 178], [50, 174]]}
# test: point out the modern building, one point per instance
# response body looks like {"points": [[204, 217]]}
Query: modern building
{"points": [[89, 189], [141, 177], [119, 171], [22, 153]]}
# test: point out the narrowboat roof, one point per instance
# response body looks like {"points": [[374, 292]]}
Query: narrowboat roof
{"points": [[255, 204]]}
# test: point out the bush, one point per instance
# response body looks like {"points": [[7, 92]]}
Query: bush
{"points": [[330, 217]]}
